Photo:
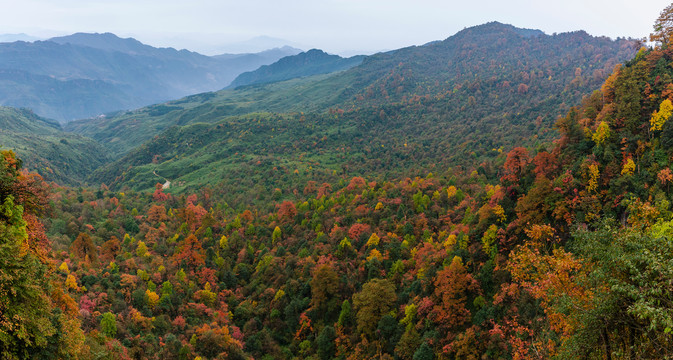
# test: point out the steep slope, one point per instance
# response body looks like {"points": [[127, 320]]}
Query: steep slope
{"points": [[39, 318], [386, 126], [594, 218], [312, 62], [85, 75], [563, 252], [43, 146], [122, 131]]}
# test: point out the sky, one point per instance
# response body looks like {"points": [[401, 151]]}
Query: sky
{"points": [[337, 26]]}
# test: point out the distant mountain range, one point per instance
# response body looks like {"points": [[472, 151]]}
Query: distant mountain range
{"points": [[84, 75], [312, 62], [256, 44], [17, 37]]}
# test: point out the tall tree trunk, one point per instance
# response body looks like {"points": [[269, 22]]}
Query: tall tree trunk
{"points": [[606, 344]]}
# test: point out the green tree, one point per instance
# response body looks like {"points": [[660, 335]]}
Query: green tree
{"points": [[424, 352], [108, 324], [346, 314], [376, 299], [628, 275], [389, 332], [324, 288], [31, 326], [408, 344], [24, 310], [325, 342], [141, 251]]}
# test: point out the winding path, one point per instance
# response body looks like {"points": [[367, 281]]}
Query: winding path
{"points": [[167, 184]]}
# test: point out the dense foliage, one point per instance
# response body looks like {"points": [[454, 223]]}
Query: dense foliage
{"points": [[307, 63], [561, 250], [566, 254], [46, 149], [38, 319], [489, 78], [407, 122]]}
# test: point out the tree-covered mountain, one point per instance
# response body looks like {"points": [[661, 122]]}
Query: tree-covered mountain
{"points": [[45, 148], [312, 62], [125, 130], [84, 75], [400, 119], [384, 212], [559, 251]]}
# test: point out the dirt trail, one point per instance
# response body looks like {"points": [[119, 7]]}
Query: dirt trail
{"points": [[167, 183]]}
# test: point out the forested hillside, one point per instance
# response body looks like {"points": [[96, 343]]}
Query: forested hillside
{"points": [[482, 79], [564, 255], [380, 231], [45, 148], [312, 62], [38, 318]]}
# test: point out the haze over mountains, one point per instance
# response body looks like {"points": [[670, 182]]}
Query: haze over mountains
{"points": [[500, 194], [84, 75], [17, 37], [493, 77]]}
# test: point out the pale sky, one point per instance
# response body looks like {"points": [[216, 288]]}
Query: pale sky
{"points": [[336, 26]]}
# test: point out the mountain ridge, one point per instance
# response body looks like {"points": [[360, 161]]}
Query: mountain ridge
{"points": [[458, 102], [456, 69], [45, 148], [132, 74], [311, 62]]}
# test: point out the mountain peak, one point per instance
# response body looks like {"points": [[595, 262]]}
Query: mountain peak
{"points": [[103, 41], [311, 62], [498, 27]]}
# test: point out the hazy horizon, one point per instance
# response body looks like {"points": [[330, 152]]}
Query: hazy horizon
{"points": [[344, 27]]}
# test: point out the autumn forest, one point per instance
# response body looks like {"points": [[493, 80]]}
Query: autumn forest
{"points": [[501, 194]]}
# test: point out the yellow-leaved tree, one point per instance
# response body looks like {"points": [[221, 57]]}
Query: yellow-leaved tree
{"points": [[602, 133], [659, 117], [38, 319], [629, 167]]}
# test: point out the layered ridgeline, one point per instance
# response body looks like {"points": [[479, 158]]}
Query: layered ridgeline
{"points": [[456, 102], [45, 148], [485, 77], [84, 75], [312, 62], [563, 252]]}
